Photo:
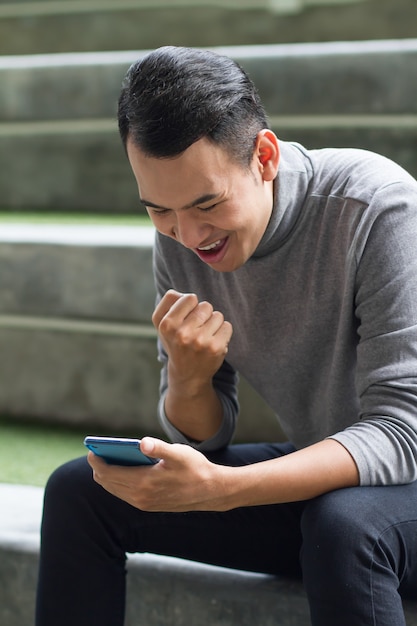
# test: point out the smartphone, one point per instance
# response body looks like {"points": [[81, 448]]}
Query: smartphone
{"points": [[118, 450]]}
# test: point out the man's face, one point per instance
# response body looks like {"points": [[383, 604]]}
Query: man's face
{"points": [[206, 201]]}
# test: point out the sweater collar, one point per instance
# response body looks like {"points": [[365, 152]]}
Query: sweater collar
{"points": [[290, 190]]}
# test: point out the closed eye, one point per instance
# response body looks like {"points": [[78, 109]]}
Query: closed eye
{"points": [[208, 208], [157, 211]]}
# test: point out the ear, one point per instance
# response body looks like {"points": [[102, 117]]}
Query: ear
{"points": [[267, 154]]}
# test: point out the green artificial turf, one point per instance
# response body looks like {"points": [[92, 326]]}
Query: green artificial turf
{"points": [[39, 217], [29, 453]]}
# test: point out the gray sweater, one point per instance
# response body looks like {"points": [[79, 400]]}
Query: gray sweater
{"points": [[325, 311]]}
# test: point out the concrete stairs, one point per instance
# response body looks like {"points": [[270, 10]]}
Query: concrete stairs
{"points": [[77, 344], [161, 591], [50, 26], [58, 139]]}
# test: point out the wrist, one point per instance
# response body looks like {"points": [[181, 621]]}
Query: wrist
{"points": [[188, 388]]}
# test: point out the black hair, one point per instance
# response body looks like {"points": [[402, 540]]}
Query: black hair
{"points": [[175, 96]]}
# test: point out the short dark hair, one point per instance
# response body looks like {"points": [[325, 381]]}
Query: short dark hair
{"points": [[175, 96]]}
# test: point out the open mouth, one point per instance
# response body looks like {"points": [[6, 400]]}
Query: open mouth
{"points": [[211, 246], [213, 252]]}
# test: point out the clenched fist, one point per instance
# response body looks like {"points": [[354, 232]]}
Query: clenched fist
{"points": [[194, 335]]}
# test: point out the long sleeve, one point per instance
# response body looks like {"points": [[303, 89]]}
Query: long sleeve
{"points": [[225, 380], [384, 440]]}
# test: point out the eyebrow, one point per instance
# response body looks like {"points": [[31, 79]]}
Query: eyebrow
{"points": [[207, 197]]}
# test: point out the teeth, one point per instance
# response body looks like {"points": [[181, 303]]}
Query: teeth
{"points": [[211, 246]]}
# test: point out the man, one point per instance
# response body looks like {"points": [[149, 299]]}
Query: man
{"points": [[298, 269]]}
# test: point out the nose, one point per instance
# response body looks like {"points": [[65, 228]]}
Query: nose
{"points": [[188, 230]]}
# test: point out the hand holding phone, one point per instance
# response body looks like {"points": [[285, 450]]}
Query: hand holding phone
{"points": [[118, 450]]}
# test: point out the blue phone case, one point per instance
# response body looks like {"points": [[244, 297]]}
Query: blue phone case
{"points": [[118, 450]]}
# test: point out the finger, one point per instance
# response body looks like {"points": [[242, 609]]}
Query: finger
{"points": [[225, 332], [176, 313], [218, 328], [214, 336], [211, 320], [164, 305], [200, 314], [95, 461], [98, 465], [158, 449], [155, 448]]}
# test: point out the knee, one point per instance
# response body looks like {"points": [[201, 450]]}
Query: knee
{"points": [[67, 482], [337, 528], [345, 574], [335, 516]]}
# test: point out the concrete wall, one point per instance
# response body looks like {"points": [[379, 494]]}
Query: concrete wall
{"points": [[78, 347], [59, 147], [90, 25]]}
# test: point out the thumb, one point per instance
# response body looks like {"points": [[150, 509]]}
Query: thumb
{"points": [[155, 448]]}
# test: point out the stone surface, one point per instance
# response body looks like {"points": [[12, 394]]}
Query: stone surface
{"points": [[89, 272], [294, 79], [81, 172], [395, 143], [99, 381], [87, 173], [69, 156], [95, 27], [78, 346], [104, 382], [172, 591], [161, 591]]}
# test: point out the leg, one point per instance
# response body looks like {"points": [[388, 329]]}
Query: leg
{"points": [[358, 554], [86, 533], [81, 561]]}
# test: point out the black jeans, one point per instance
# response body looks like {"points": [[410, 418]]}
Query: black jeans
{"points": [[356, 549]]}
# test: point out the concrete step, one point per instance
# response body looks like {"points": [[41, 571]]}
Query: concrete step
{"points": [[63, 153], [318, 79], [75, 325], [88, 272], [192, 593], [78, 346], [87, 25], [72, 169]]}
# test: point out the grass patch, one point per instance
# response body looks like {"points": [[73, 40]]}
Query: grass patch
{"points": [[24, 217], [29, 453]]}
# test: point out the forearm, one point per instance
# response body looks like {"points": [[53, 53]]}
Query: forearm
{"points": [[302, 475], [195, 340], [197, 414], [185, 480]]}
